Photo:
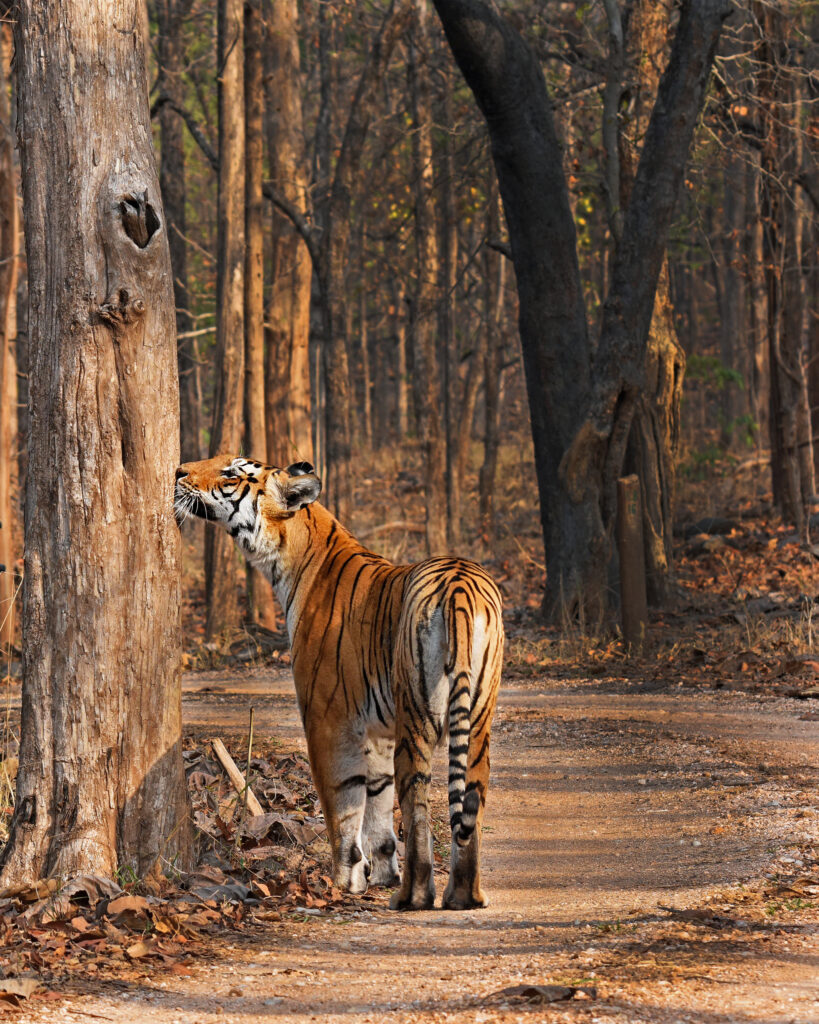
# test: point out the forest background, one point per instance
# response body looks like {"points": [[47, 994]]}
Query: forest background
{"points": [[475, 263], [345, 292]]}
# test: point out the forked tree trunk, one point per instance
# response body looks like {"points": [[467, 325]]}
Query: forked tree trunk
{"points": [[221, 559], [289, 417], [581, 411], [424, 322], [9, 246], [100, 784], [261, 606]]}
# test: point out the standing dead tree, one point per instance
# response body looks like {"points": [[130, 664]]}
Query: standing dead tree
{"points": [[100, 782]]}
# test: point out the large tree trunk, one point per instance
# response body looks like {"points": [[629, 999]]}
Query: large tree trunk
{"points": [[221, 560], [580, 420], [100, 784], [171, 58], [9, 245], [289, 418], [424, 324]]}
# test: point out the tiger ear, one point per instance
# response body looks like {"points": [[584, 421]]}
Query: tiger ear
{"points": [[302, 488]]}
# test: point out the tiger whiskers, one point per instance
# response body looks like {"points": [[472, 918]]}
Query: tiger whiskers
{"points": [[183, 508]]}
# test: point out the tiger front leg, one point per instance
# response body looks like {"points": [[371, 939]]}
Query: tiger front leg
{"points": [[339, 767], [379, 834]]}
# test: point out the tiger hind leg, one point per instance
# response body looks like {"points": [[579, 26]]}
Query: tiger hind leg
{"points": [[413, 760], [463, 891], [379, 834]]}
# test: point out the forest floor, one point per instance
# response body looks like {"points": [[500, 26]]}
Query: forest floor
{"points": [[651, 854], [651, 845]]}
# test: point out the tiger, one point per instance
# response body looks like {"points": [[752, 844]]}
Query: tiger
{"points": [[388, 661]]}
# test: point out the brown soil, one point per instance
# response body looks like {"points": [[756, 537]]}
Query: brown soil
{"points": [[655, 846]]}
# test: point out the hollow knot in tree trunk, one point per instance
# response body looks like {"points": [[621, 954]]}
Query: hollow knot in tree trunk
{"points": [[139, 219]]}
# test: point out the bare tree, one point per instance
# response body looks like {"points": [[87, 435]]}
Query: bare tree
{"points": [[100, 783], [221, 562], [9, 245]]}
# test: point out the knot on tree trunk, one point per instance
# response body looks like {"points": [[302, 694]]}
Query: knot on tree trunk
{"points": [[121, 309]]}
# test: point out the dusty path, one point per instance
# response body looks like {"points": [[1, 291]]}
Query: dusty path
{"points": [[606, 805]]}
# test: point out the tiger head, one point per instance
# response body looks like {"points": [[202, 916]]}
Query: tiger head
{"points": [[243, 495]]}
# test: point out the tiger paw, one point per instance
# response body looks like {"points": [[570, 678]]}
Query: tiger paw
{"points": [[460, 899], [400, 902]]}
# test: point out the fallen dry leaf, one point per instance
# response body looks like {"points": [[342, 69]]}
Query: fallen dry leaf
{"points": [[536, 994]]}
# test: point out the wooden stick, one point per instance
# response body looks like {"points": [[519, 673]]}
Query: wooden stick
{"points": [[237, 779]]}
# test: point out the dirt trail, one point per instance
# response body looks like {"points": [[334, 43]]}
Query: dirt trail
{"points": [[606, 805]]}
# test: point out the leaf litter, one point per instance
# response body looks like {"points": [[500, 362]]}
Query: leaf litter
{"points": [[250, 870]]}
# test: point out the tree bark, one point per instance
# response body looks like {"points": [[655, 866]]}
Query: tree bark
{"points": [[100, 783], [508, 84], [619, 364], [580, 418], [261, 606], [289, 416], [402, 389], [221, 559], [494, 289], [170, 56], [790, 432], [425, 303], [655, 429], [448, 315], [364, 355], [9, 247]]}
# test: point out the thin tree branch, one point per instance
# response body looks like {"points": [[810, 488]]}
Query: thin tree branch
{"points": [[194, 128]]}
